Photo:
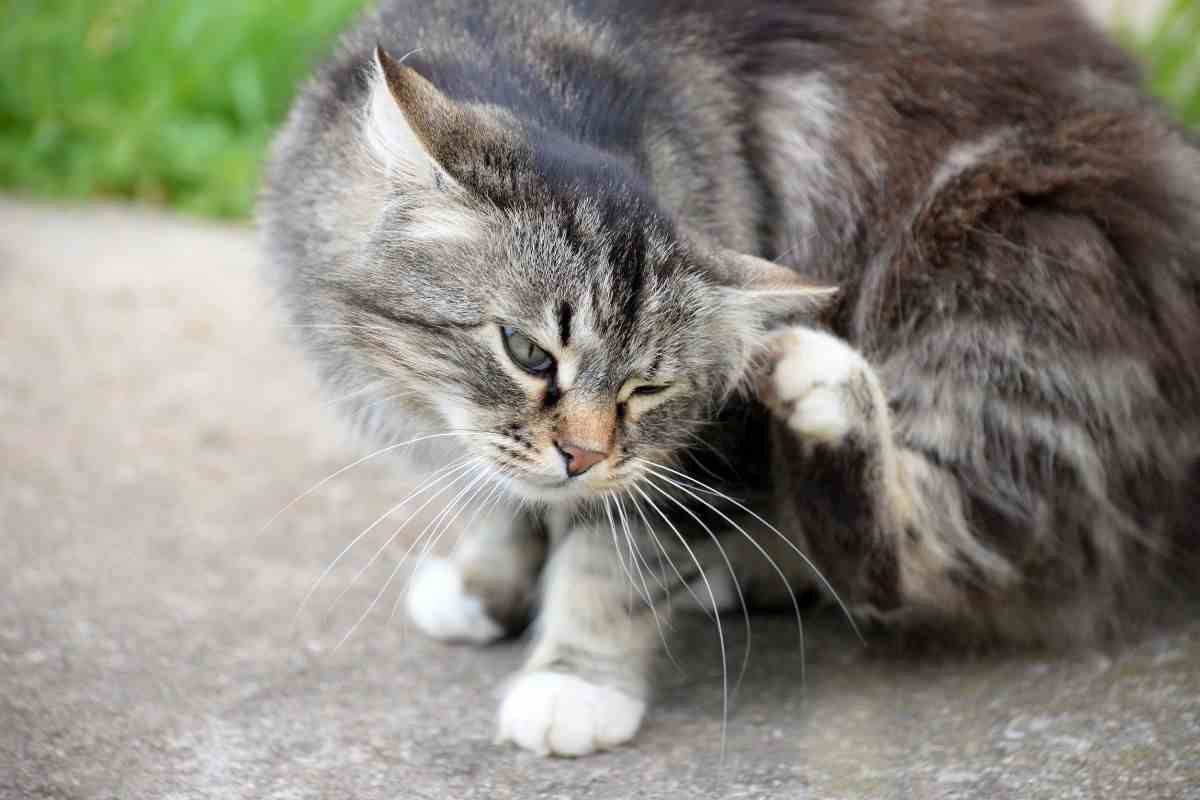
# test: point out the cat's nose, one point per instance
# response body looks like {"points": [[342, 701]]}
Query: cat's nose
{"points": [[579, 459]]}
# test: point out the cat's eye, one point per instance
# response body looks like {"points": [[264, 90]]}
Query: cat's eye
{"points": [[524, 353], [648, 390]]}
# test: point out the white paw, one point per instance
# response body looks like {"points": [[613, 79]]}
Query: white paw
{"points": [[441, 608], [809, 381], [552, 713]]}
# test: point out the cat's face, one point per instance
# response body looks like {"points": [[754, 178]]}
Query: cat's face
{"points": [[540, 304], [584, 349]]}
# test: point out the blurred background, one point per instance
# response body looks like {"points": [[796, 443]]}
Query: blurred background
{"points": [[172, 102]]}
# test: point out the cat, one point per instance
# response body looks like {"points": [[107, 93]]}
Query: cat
{"points": [[897, 300]]}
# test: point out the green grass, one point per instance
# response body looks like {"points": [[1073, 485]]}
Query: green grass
{"points": [[1172, 52], [174, 101], [167, 101]]}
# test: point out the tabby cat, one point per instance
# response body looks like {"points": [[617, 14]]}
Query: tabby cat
{"points": [[897, 300]]}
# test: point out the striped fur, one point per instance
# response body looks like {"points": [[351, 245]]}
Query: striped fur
{"points": [[991, 430]]}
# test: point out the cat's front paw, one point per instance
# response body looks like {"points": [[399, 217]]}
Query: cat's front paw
{"points": [[553, 713], [819, 384], [440, 606]]}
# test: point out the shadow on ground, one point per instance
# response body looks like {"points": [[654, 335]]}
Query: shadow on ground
{"points": [[151, 423]]}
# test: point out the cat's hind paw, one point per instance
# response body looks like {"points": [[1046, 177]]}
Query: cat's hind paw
{"points": [[819, 384], [552, 713], [440, 606]]}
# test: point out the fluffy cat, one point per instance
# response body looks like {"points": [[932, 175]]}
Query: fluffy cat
{"points": [[701, 292]]}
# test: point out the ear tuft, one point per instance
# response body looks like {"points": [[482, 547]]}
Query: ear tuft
{"points": [[772, 293], [403, 115]]}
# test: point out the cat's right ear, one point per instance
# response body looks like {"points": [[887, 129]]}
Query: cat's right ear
{"points": [[769, 294], [406, 121]]}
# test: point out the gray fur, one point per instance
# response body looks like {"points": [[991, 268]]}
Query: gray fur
{"points": [[1012, 449]]}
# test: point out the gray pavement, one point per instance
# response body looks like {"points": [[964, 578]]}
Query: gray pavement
{"points": [[151, 421]]}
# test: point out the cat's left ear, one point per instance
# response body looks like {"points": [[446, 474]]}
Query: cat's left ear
{"points": [[409, 122], [768, 293]]}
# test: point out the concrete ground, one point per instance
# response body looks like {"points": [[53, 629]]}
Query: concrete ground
{"points": [[151, 422]]}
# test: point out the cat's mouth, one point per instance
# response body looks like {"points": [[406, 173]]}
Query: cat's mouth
{"points": [[547, 483], [553, 491]]}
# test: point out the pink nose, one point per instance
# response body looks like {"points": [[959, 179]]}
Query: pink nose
{"points": [[579, 459]]}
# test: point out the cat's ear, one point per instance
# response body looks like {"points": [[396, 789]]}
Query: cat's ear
{"points": [[769, 293], [408, 121]]}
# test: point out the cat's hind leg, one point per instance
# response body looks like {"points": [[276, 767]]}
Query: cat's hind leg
{"points": [[887, 526], [487, 587], [968, 514]]}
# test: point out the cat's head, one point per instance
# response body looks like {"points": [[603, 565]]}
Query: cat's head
{"points": [[528, 292]]}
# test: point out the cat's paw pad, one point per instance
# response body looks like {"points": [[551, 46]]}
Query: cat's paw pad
{"points": [[811, 384], [441, 607], [552, 713]]}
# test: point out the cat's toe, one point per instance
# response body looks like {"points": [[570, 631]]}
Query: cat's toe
{"points": [[812, 384], [553, 713], [821, 416], [441, 607]]}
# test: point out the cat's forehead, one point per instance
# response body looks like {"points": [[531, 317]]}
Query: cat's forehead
{"points": [[614, 257], [606, 294]]}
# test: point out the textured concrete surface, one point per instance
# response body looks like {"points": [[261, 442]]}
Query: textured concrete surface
{"points": [[151, 422]]}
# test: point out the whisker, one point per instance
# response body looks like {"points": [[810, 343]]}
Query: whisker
{"points": [[617, 548], [385, 399], [446, 516], [370, 387], [332, 326], [439, 532], [710, 490], [710, 448], [629, 545], [634, 554], [671, 562], [629, 535], [434, 479], [451, 511], [464, 472], [496, 487], [716, 613], [775, 566], [494, 497], [522, 504], [391, 577], [660, 555], [368, 457], [716, 540]]}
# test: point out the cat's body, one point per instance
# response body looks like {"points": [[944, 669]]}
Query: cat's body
{"points": [[992, 428]]}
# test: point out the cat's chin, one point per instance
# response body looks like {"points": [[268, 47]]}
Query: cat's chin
{"points": [[551, 492]]}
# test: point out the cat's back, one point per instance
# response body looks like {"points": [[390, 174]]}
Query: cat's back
{"points": [[779, 126], [614, 73]]}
